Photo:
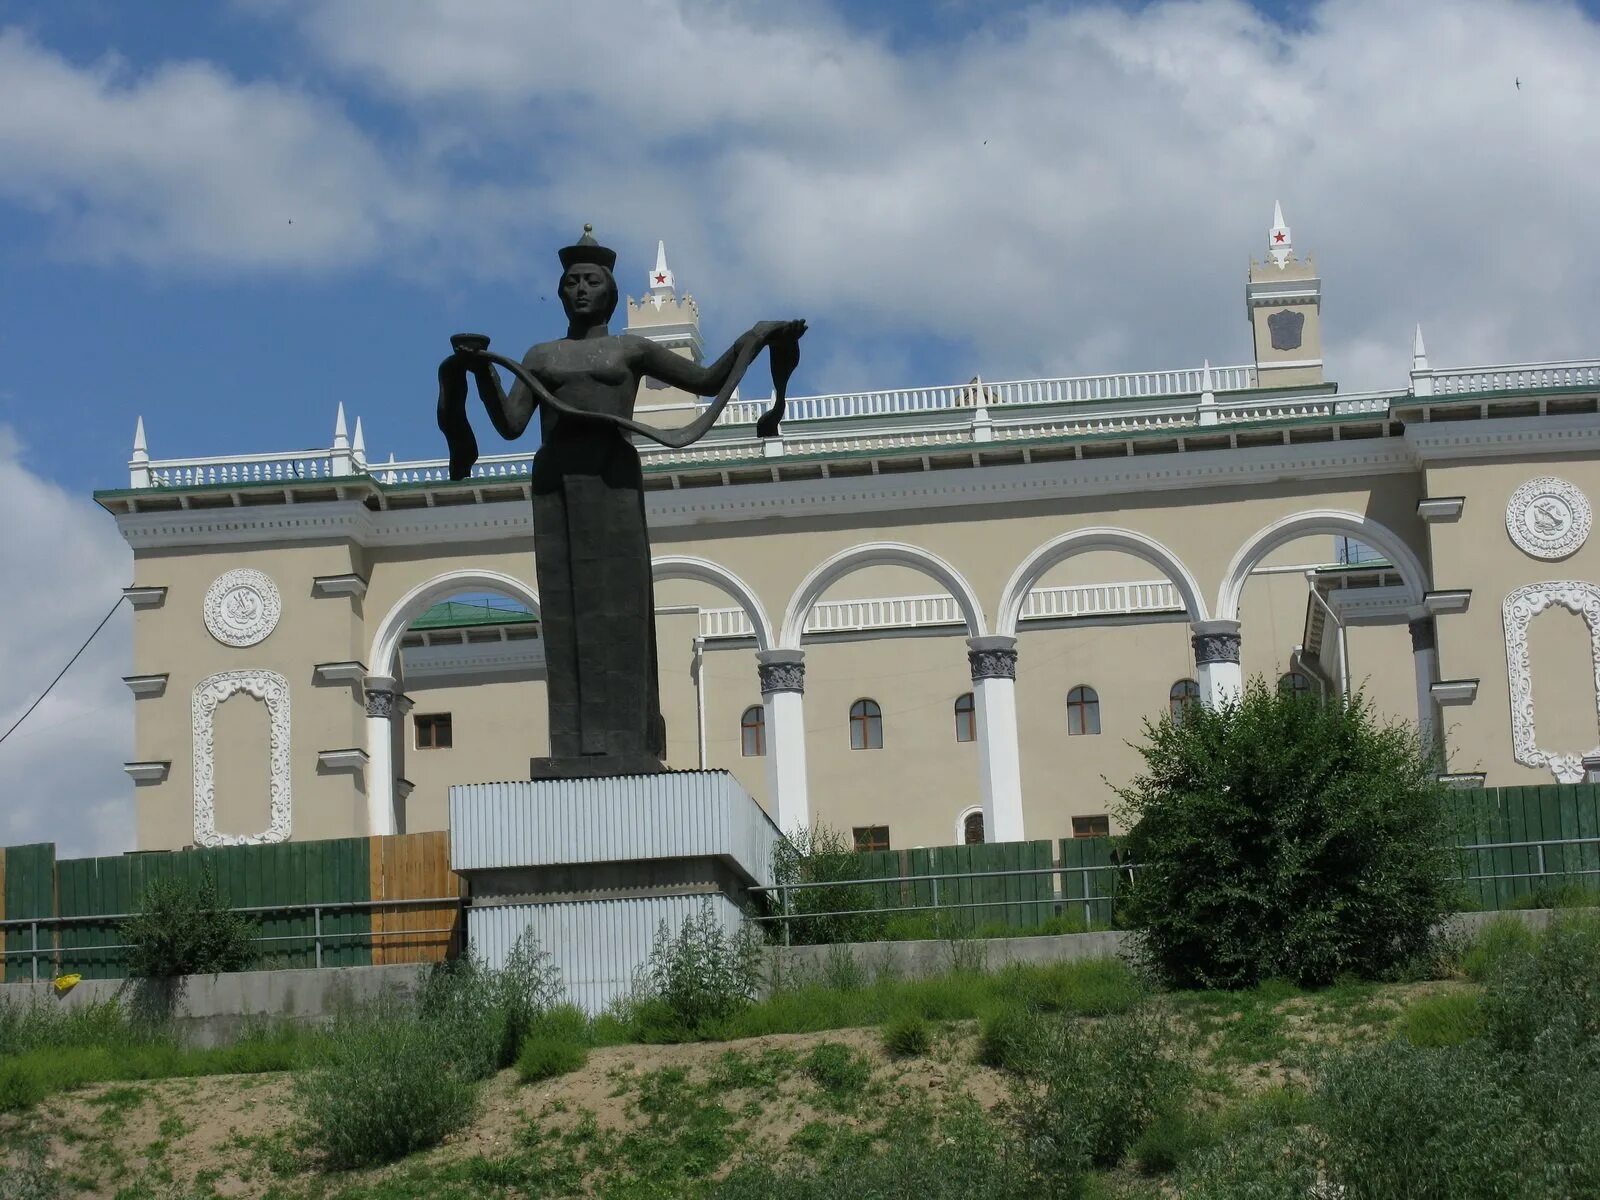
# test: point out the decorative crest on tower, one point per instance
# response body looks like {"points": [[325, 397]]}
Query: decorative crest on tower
{"points": [[663, 287], [1280, 244]]}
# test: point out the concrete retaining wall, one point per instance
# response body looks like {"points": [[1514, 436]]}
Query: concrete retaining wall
{"points": [[211, 1010]]}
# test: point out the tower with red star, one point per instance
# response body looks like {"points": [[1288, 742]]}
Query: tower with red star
{"points": [[661, 315], [1283, 302]]}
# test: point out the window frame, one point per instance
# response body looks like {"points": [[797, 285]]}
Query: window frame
{"points": [[1178, 704], [1084, 700], [964, 827], [1287, 683], [758, 727], [966, 718], [434, 722], [868, 720], [1095, 825], [868, 844]]}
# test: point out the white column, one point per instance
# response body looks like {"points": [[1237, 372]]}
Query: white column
{"points": [[994, 689], [783, 682], [1425, 663], [1216, 660], [383, 697]]}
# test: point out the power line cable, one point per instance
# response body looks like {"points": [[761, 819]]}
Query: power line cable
{"points": [[64, 670]]}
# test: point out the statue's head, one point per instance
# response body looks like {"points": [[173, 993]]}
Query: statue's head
{"points": [[588, 290]]}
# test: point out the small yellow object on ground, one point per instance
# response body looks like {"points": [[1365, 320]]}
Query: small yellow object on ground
{"points": [[65, 983]]}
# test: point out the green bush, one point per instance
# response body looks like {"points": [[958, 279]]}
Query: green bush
{"points": [[837, 1069], [1281, 835], [183, 928], [391, 1084], [546, 1057], [1262, 1163], [481, 1015], [907, 1035], [1094, 1089], [1405, 1123], [698, 978], [823, 855], [1007, 1040], [1552, 989], [1172, 1137], [23, 1083], [1447, 1020], [1500, 938]]}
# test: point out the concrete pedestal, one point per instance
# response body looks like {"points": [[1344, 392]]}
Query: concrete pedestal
{"points": [[593, 867]]}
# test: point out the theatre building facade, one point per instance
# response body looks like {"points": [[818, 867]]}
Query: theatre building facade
{"points": [[920, 616]]}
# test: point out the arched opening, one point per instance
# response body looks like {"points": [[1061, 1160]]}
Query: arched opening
{"points": [[455, 694], [866, 725], [753, 732], [966, 714], [969, 827], [1182, 696], [1083, 711]]}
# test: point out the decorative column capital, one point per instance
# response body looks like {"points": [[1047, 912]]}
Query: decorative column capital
{"points": [[992, 658], [1423, 634], [382, 704], [781, 671], [1215, 642]]}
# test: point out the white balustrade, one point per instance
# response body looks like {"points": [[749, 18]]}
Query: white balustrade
{"points": [[933, 611], [1523, 377]]}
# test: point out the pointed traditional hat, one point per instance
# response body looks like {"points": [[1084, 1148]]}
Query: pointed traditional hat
{"points": [[587, 250]]}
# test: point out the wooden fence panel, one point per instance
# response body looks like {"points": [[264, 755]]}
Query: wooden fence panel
{"points": [[414, 866], [1087, 893]]}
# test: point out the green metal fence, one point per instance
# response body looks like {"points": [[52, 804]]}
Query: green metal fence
{"points": [[1519, 842]]}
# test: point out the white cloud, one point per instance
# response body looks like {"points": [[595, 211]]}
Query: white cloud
{"points": [[61, 777], [1074, 189]]}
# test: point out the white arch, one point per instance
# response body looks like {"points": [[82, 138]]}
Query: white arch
{"points": [[879, 554], [386, 642], [1081, 541], [961, 823], [1319, 520], [703, 570]]}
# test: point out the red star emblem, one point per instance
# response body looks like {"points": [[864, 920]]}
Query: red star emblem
{"points": [[1279, 236], [662, 278]]}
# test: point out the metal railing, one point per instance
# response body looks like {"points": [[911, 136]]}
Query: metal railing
{"points": [[317, 936]]}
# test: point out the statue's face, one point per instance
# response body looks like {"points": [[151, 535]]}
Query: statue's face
{"points": [[588, 293]]}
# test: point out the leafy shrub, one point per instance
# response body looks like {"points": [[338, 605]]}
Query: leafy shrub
{"points": [[1281, 835], [546, 1057], [1172, 1137], [391, 1084], [1093, 1090], [1447, 1020], [183, 928], [481, 1015], [907, 1035], [823, 855], [1007, 1039], [23, 1083], [697, 978], [837, 1070]]}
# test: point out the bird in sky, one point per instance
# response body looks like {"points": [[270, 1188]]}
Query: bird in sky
{"points": [[1519, 83]]}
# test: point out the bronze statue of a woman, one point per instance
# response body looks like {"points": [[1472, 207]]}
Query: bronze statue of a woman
{"points": [[591, 547]]}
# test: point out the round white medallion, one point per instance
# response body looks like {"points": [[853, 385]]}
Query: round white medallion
{"points": [[1548, 517], [242, 607]]}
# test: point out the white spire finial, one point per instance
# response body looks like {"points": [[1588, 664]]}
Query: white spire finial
{"points": [[140, 450], [1205, 378], [358, 444], [1280, 243], [139, 464], [662, 285], [341, 434], [1419, 352]]}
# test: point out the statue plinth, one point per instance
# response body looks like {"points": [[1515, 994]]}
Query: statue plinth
{"points": [[594, 766]]}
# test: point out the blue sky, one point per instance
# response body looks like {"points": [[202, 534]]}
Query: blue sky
{"points": [[228, 216]]}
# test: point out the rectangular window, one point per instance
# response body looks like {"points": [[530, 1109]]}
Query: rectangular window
{"points": [[871, 837], [1091, 827], [434, 731]]}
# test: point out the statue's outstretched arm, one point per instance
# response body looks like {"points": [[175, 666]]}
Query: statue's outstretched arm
{"points": [[660, 363], [509, 413]]}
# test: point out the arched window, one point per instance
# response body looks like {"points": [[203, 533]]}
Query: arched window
{"points": [[1296, 683], [966, 720], [972, 828], [1083, 710], [1184, 693], [866, 725], [753, 732]]}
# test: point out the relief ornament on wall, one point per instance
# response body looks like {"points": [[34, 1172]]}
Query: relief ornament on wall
{"points": [[242, 607], [1548, 518], [1518, 610], [272, 689]]}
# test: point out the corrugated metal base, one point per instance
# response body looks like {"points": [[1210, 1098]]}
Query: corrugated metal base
{"points": [[598, 944]]}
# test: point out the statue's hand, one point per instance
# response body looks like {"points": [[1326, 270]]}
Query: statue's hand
{"points": [[469, 346], [779, 331]]}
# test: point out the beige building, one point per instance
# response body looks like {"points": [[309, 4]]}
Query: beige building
{"points": [[922, 614]]}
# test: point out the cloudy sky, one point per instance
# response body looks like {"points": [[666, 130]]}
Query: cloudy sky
{"points": [[228, 216]]}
